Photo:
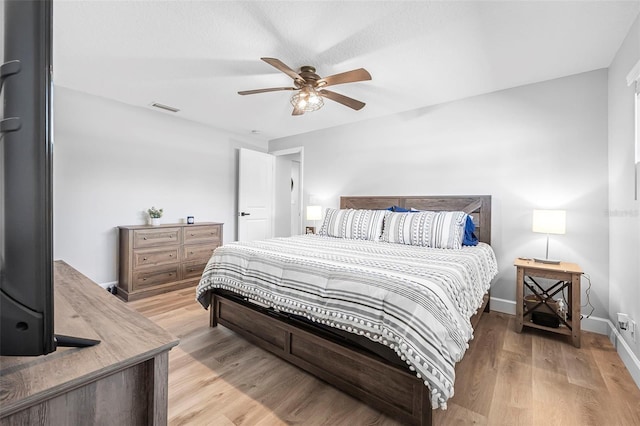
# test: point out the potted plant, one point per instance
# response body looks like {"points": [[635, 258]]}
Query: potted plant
{"points": [[155, 215]]}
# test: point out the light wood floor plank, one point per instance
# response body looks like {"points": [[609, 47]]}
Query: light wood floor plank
{"points": [[506, 378], [512, 399]]}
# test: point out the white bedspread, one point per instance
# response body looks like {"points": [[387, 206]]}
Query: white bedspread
{"points": [[416, 300]]}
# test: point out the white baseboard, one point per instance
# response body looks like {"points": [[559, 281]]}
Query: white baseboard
{"points": [[595, 325], [503, 305], [107, 285], [629, 359]]}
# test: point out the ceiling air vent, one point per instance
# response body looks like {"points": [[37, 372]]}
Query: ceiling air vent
{"points": [[164, 107]]}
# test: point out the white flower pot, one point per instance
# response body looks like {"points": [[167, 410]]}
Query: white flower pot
{"points": [[155, 221]]}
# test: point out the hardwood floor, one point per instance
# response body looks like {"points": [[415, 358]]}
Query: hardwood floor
{"points": [[505, 378]]}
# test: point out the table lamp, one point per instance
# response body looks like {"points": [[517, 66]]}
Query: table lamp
{"points": [[549, 222], [314, 213]]}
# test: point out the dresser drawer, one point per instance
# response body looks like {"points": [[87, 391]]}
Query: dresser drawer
{"points": [[193, 270], [160, 275], [198, 252], [154, 257], [195, 234], [143, 238]]}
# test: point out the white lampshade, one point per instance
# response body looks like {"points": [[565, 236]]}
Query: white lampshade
{"points": [[549, 221], [314, 212]]}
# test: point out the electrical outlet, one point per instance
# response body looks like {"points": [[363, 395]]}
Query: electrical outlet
{"points": [[632, 330], [623, 321]]}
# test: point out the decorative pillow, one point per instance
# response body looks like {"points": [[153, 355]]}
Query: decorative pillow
{"points": [[427, 228], [353, 224], [398, 209], [470, 238]]}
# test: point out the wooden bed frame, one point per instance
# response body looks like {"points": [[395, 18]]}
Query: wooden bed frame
{"points": [[365, 375]]}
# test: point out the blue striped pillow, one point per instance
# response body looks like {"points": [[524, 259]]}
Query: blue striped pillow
{"points": [[353, 224], [426, 228]]}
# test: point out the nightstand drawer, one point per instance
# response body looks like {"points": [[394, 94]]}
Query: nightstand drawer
{"points": [[195, 234], [198, 252], [143, 238], [152, 257], [551, 275], [143, 279], [193, 270]]}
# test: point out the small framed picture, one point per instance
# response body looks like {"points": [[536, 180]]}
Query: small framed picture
{"points": [[310, 230]]}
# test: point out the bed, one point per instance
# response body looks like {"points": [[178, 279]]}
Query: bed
{"points": [[345, 310]]}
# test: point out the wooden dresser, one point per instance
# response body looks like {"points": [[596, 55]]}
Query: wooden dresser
{"points": [[157, 259], [120, 381]]}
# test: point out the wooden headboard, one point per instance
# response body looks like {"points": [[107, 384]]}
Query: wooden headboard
{"points": [[479, 206]]}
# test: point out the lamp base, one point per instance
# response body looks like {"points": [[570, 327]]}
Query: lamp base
{"points": [[547, 261]]}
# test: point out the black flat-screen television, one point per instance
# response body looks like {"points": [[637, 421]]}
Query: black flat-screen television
{"points": [[26, 254], [26, 189]]}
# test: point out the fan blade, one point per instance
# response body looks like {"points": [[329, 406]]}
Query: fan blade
{"points": [[278, 64], [297, 111], [342, 99], [346, 77], [273, 89]]}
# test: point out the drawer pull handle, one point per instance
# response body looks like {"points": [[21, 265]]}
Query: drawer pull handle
{"points": [[144, 258], [144, 279], [144, 238], [193, 235], [171, 255]]}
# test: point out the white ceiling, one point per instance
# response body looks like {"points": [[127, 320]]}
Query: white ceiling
{"points": [[195, 55]]}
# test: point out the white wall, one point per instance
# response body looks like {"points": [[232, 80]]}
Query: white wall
{"points": [[537, 146], [112, 161], [624, 217], [296, 195], [282, 183], [287, 203]]}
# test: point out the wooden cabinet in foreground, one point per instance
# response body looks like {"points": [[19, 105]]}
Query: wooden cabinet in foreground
{"points": [[157, 259], [123, 380]]}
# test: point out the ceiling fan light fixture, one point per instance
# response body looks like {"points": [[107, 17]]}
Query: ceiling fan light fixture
{"points": [[309, 90], [307, 99]]}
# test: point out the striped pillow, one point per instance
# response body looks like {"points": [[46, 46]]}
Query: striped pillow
{"points": [[354, 224], [427, 228]]}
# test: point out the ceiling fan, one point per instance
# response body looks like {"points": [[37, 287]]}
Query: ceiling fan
{"points": [[310, 87]]}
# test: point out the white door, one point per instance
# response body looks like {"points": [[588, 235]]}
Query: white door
{"points": [[255, 195]]}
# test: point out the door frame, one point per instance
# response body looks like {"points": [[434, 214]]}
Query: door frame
{"points": [[289, 151]]}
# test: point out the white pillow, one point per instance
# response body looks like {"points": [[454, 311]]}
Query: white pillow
{"points": [[353, 224], [441, 229]]}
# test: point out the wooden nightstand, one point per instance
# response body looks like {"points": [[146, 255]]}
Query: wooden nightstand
{"points": [[567, 276]]}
